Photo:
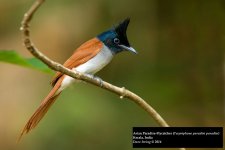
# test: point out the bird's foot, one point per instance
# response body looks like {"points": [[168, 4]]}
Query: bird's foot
{"points": [[99, 80]]}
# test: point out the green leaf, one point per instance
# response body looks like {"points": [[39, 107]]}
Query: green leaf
{"points": [[13, 57]]}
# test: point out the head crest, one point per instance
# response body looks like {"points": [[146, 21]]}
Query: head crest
{"points": [[121, 29]]}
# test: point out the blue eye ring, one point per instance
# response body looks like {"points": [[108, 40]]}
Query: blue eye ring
{"points": [[116, 40]]}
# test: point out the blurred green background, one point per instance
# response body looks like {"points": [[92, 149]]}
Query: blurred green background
{"points": [[179, 70]]}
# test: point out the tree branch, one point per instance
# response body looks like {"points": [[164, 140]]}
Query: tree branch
{"points": [[122, 92]]}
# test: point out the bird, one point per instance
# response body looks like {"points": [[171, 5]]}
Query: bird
{"points": [[89, 58]]}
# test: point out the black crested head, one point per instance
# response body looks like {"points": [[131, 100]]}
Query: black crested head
{"points": [[116, 38], [121, 29]]}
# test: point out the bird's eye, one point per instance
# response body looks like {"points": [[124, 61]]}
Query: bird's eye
{"points": [[116, 41]]}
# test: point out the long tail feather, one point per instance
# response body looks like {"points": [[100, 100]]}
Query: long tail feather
{"points": [[42, 110]]}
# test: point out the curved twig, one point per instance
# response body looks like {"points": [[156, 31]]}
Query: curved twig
{"points": [[122, 92]]}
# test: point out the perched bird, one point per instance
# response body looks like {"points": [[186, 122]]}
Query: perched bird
{"points": [[89, 58]]}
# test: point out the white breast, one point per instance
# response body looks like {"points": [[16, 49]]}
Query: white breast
{"points": [[91, 67], [96, 63]]}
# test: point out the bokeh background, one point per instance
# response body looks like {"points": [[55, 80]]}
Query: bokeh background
{"points": [[180, 71]]}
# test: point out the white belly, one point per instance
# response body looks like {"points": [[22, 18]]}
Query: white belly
{"points": [[96, 63], [91, 67]]}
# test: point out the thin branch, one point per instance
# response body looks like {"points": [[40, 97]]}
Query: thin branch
{"points": [[122, 92]]}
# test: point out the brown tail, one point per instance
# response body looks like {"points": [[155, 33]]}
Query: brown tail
{"points": [[42, 110]]}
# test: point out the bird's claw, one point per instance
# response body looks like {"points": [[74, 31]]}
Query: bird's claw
{"points": [[99, 80]]}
